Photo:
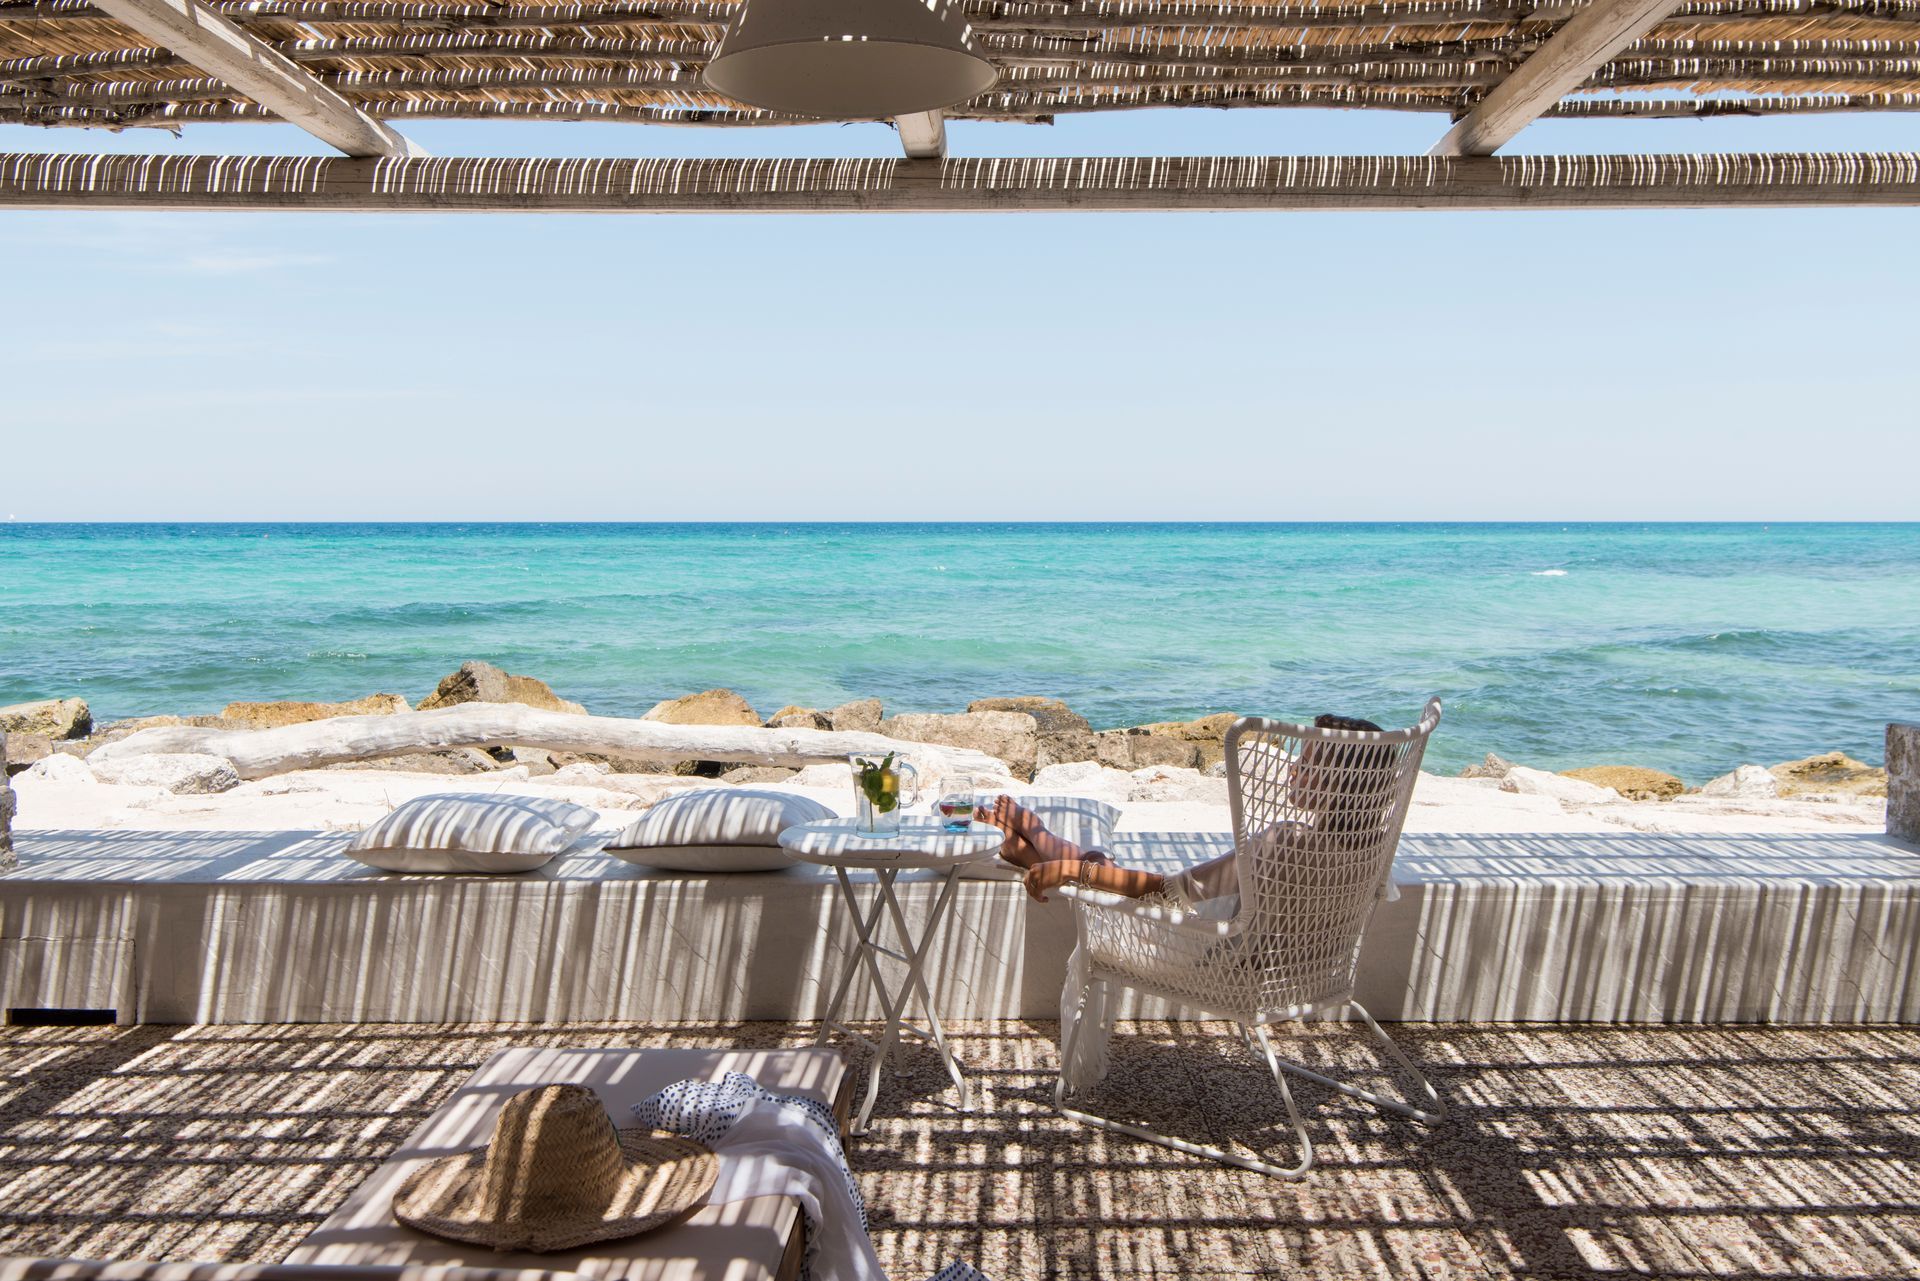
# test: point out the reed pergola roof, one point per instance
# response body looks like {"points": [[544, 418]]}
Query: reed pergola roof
{"points": [[65, 62], [352, 71]]}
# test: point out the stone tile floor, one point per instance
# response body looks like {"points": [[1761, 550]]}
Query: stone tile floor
{"points": [[1572, 1152]]}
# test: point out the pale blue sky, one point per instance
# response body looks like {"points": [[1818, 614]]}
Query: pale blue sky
{"points": [[1716, 364]]}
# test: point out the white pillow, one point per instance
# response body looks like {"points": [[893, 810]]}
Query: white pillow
{"points": [[472, 833], [1079, 819], [716, 829]]}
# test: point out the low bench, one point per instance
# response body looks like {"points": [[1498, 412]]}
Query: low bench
{"points": [[260, 927], [759, 1239]]}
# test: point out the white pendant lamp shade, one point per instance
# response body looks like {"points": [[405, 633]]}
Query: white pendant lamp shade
{"points": [[849, 59]]}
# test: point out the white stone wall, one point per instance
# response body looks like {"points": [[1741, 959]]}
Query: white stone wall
{"points": [[1903, 782], [239, 927]]}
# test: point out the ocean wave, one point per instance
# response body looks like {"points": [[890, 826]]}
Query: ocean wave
{"points": [[1549, 573], [1761, 641], [418, 614]]}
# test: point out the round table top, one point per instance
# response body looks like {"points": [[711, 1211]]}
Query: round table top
{"points": [[920, 842]]}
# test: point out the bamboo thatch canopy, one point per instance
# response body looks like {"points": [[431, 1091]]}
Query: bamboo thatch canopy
{"points": [[65, 62]]}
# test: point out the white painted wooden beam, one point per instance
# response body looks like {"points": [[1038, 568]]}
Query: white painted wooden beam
{"points": [[923, 135], [221, 49], [1587, 42], [1004, 185]]}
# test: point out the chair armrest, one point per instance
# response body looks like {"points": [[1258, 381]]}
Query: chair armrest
{"points": [[1091, 899]]}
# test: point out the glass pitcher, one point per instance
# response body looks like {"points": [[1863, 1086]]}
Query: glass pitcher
{"points": [[879, 791]]}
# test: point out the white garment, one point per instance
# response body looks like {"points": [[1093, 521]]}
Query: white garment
{"points": [[772, 1149], [780, 1145], [1085, 1024]]}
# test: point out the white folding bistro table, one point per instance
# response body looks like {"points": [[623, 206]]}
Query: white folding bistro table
{"points": [[921, 844]]}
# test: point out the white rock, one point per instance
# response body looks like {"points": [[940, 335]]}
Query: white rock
{"points": [[1494, 767], [284, 785], [824, 775], [1084, 778], [580, 773], [1163, 774], [1568, 791], [1176, 783], [185, 773], [1748, 782], [1071, 774], [60, 768], [651, 787]]}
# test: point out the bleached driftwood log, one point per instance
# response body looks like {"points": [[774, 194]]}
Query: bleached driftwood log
{"points": [[263, 752]]}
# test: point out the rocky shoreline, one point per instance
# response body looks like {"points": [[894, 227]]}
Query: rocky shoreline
{"points": [[1040, 739], [1028, 733]]}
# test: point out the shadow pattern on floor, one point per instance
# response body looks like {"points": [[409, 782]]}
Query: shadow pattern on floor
{"points": [[1572, 1152]]}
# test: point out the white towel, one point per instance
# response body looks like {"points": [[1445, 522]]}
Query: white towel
{"points": [[1085, 1023], [786, 1145]]}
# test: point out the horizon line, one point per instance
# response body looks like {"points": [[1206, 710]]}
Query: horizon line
{"points": [[1761, 522]]}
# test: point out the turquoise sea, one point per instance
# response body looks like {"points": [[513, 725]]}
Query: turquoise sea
{"points": [[1690, 648]]}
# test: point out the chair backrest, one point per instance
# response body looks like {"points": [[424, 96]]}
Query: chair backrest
{"points": [[1317, 815]]}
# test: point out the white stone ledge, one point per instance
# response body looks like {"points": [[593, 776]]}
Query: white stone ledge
{"points": [[237, 927], [1903, 782]]}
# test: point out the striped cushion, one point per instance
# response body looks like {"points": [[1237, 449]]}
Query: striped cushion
{"points": [[717, 829], [472, 833]]}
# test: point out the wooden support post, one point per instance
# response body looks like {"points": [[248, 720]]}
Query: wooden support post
{"points": [[923, 135], [1578, 49], [221, 49]]}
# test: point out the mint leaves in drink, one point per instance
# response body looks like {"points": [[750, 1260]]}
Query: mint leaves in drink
{"points": [[880, 784]]}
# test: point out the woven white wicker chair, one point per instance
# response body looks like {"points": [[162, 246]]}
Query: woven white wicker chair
{"points": [[1316, 820]]}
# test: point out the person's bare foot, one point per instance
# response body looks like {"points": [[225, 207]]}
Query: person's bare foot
{"points": [[1030, 837], [1005, 814], [1012, 817]]}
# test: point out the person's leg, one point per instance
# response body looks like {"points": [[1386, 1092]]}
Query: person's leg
{"points": [[1051, 861], [1028, 840], [1114, 879]]}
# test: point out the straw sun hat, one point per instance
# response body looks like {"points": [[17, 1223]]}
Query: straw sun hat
{"points": [[556, 1175]]}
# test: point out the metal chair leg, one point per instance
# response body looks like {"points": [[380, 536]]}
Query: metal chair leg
{"points": [[1436, 1109], [1182, 1145], [1256, 1039], [1432, 1114]]}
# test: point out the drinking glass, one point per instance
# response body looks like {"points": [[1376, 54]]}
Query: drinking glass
{"points": [[955, 805], [956, 811]]}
